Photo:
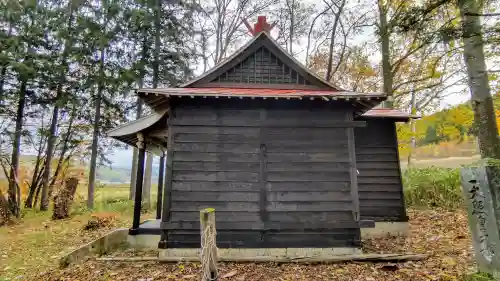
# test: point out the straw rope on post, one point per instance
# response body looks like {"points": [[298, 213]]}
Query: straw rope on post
{"points": [[208, 251]]}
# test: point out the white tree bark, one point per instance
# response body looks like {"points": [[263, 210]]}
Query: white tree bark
{"points": [[482, 101]]}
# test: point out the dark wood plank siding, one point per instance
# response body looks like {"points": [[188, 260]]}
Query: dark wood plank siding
{"points": [[379, 180], [261, 175]]}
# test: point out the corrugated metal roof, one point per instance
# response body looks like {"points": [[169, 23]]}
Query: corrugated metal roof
{"points": [[273, 93]]}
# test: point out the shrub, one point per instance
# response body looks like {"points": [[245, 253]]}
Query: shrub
{"points": [[432, 187]]}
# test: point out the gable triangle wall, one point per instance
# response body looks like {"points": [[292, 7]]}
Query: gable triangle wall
{"points": [[262, 67]]}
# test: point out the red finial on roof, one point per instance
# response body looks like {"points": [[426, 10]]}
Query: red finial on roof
{"points": [[261, 25]]}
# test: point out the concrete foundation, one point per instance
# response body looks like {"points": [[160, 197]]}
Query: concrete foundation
{"points": [[143, 242], [385, 229], [100, 246], [262, 252], [120, 238]]}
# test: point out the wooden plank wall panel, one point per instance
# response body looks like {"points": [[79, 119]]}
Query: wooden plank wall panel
{"points": [[217, 162], [379, 180], [216, 167], [255, 239], [308, 180]]}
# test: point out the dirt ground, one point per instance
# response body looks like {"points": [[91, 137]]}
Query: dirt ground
{"points": [[443, 235]]}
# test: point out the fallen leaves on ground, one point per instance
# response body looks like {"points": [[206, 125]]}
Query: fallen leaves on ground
{"points": [[36, 243], [443, 235]]}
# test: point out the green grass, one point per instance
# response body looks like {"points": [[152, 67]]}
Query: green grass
{"points": [[477, 277], [432, 187], [36, 242], [447, 162]]}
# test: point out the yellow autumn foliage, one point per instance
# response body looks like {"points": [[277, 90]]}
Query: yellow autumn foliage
{"points": [[440, 133], [26, 171]]}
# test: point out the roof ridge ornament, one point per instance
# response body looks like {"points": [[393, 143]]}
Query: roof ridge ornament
{"points": [[261, 25]]}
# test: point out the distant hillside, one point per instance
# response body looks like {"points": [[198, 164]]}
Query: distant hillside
{"points": [[104, 174]]}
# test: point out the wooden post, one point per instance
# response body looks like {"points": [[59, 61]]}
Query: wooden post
{"points": [[138, 183], [146, 186], [167, 191], [353, 170], [159, 196], [208, 245]]}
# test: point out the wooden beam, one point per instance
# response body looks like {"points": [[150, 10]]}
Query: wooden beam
{"points": [[159, 134], [139, 181], [167, 196], [300, 226], [263, 170], [270, 123], [266, 259], [159, 195], [353, 171]]}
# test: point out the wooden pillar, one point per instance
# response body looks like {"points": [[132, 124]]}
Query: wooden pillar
{"points": [[138, 183], [264, 217], [165, 216], [146, 186], [159, 195], [353, 171]]}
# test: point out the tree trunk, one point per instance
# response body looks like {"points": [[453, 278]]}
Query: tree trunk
{"points": [[5, 213], [146, 189], [95, 137], [133, 176], [35, 178], [64, 199], [148, 173], [386, 54], [37, 192], [44, 202], [156, 55], [413, 142], [62, 155], [14, 199], [292, 24], [3, 70], [482, 102], [332, 41]]}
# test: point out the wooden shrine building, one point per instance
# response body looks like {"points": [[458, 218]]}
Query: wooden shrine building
{"points": [[287, 159]]}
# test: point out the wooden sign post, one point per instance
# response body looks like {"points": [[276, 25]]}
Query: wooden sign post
{"points": [[478, 186], [208, 245]]}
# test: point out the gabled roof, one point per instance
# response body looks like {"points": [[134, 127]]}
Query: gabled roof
{"points": [[262, 39]]}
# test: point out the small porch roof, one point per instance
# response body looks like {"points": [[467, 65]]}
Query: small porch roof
{"points": [[127, 132]]}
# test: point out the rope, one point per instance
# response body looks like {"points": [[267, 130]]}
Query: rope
{"points": [[208, 257]]}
